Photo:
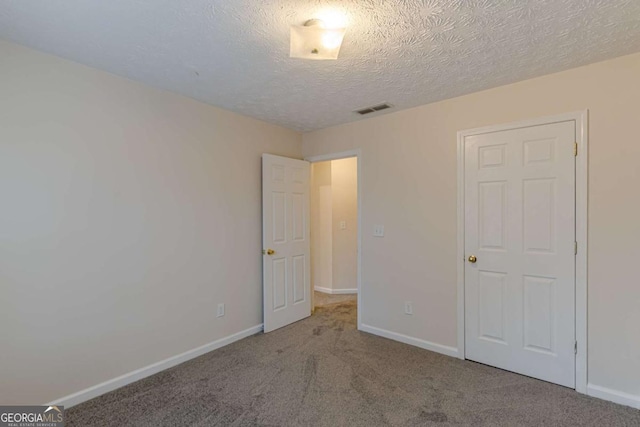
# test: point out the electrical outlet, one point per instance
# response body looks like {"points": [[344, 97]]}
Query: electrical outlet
{"points": [[220, 310], [408, 308], [343, 225], [378, 231]]}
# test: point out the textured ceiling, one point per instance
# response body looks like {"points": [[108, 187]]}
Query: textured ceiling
{"points": [[234, 53]]}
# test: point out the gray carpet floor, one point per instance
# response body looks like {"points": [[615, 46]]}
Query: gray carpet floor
{"points": [[322, 372], [321, 299]]}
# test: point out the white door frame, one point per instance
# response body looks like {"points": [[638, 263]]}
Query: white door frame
{"points": [[580, 118], [357, 153]]}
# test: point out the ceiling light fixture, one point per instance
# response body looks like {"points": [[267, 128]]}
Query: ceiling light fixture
{"points": [[315, 40]]}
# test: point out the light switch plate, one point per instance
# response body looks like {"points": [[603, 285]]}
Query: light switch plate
{"points": [[343, 225], [408, 308], [378, 231]]}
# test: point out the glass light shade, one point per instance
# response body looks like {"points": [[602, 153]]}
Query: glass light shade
{"points": [[315, 42]]}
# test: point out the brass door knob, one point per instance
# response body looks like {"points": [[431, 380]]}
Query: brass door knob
{"points": [[473, 259], [268, 252]]}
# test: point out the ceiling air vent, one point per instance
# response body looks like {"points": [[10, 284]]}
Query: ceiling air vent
{"points": [[373, 109]]}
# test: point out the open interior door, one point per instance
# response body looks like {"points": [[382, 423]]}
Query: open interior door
{"points": [[285, 239]]}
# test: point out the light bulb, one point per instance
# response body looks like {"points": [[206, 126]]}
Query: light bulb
{"points": [[332, 19], [331, 39]]}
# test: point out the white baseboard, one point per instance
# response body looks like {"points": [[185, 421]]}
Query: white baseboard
{"points": [[335, 291], [138, 374], [613, 395], [427, 345]]}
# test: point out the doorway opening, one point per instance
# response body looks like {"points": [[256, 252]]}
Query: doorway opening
{"points": [[288, 289], [334, 231]]}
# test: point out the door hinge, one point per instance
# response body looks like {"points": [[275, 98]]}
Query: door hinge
{"points": [[575, 248], [575, 148], [575, 348]]}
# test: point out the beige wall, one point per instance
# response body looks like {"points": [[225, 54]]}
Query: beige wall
{"points": [[128, 214], [409, 185], [344, 191]]}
